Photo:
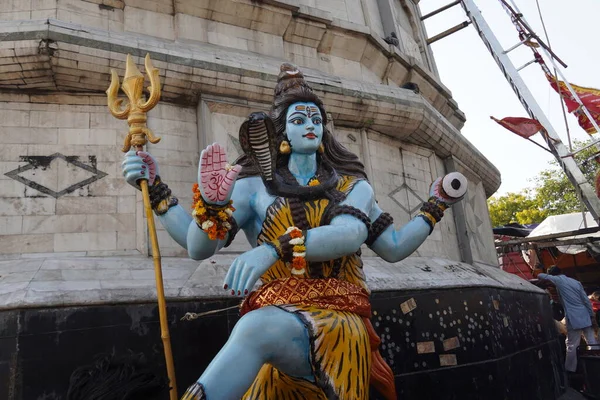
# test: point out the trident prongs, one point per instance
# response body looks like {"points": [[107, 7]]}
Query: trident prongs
{"points": [[135, 111]]}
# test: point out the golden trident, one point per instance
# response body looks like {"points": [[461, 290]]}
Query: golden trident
{"points": [[135, 113]]}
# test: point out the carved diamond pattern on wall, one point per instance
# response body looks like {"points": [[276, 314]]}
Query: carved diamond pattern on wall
{"points": [[56, 174], [406, 198]]}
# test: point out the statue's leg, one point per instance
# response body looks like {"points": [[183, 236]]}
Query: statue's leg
{"points": [[267, 335]]}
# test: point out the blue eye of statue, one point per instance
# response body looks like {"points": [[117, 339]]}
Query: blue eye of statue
{"points": [[297, 121], [317, 121]]}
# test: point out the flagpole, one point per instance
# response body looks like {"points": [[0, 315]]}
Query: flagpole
{"points": [[540, 146], [138, 136]]}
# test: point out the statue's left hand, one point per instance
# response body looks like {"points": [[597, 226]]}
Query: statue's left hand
{"points": [[248, 268], [456, 184]]}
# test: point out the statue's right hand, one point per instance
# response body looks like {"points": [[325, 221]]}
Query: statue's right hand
{"points": [[139, 165], [215, 177]]}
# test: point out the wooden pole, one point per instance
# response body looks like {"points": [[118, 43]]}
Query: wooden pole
{"points": [[160, 291], [138, 136]]}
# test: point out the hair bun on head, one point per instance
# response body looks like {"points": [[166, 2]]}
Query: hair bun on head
{"points": [[289, 77]]}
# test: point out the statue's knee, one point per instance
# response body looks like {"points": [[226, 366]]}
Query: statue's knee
{"points": [[250, 329], [267, 328]]}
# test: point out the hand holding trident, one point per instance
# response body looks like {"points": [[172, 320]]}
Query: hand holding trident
{"points": [[135, 113]]}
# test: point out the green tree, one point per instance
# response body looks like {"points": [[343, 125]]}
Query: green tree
{"points": [[520, 207], [552, 193]]}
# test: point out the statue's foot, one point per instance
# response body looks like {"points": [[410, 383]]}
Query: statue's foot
{"points": [[194, 392]]}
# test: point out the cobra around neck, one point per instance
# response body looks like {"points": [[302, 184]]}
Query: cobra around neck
{"points": [[303, 166]]}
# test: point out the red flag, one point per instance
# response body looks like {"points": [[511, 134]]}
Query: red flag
{"points": [[590, 97], [524, 127], [584, 121]]}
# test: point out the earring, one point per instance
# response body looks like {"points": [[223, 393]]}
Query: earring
{"points": [[284, 147], [321, 148]]}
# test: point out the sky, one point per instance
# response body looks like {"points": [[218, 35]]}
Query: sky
{"points": [[469, 71]]}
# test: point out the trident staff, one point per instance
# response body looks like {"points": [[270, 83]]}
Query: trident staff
{"points": [[135, 113]]}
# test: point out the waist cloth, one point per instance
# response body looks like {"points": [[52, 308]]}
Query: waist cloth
{"points": [[344, 352]]}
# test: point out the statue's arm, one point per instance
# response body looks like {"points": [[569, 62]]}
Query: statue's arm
{"points": [[345, 233], [395, 245], [185, 231], [217, 182]]}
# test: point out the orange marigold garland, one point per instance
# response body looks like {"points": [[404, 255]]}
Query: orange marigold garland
{"points": [[212, 219], [298, 263]]}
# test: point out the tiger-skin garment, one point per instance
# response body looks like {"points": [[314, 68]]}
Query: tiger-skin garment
{"points": [[340, 344]]}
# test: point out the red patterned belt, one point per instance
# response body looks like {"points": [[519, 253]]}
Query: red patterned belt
{"points": [[324, 293]]}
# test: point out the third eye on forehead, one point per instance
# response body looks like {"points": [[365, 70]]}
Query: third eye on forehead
{"points": [[309, 110]]}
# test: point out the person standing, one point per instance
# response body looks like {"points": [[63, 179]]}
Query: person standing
{"points": [[578, 310]]}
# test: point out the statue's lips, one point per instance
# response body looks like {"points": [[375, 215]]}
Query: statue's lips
{"points": [[310, 136]]}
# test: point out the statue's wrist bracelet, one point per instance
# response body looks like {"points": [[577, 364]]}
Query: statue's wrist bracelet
{"points": [[161, 199], [378, 226], [432, 212]]}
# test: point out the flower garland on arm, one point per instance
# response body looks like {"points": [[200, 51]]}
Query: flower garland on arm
{"points": [[213, 219]]}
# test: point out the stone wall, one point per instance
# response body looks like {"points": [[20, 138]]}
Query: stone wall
{"points": [[64, 191], [340, 37], [50, 204]]}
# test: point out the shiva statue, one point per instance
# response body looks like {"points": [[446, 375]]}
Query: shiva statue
{"points": [[306, 207]]}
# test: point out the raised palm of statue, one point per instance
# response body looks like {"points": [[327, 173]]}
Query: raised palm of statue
{"points": [[215, 176]]}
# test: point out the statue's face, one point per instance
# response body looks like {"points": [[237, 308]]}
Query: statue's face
{"points": [[304, 127]]}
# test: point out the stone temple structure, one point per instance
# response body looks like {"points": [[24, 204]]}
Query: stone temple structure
{"points": [[75, 274]]}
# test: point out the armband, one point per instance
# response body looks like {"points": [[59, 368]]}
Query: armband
{"points": [[378, 226]]}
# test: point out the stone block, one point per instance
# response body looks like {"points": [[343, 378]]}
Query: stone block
{"points": [[270, 19], [398, 73], [14, 118], [118, 4], [110, 223], [337, 8], [86, 205], [106, 137], [171, 127], [197, 8], [343, 44], [86, 241], [12, 206], [157, 6], [74, 17], [20, 265], [12, 188], [26, 243], [16, 5], [11, 225], [106, 121], [126, 240], [126, 204], [374, 59], [54, 224], [64, 286], [15, 15], [305, 32], [191, 28], [345, 68], [61, 119], [173, 112], [43, 4], [14, 277], [149, 23]]}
